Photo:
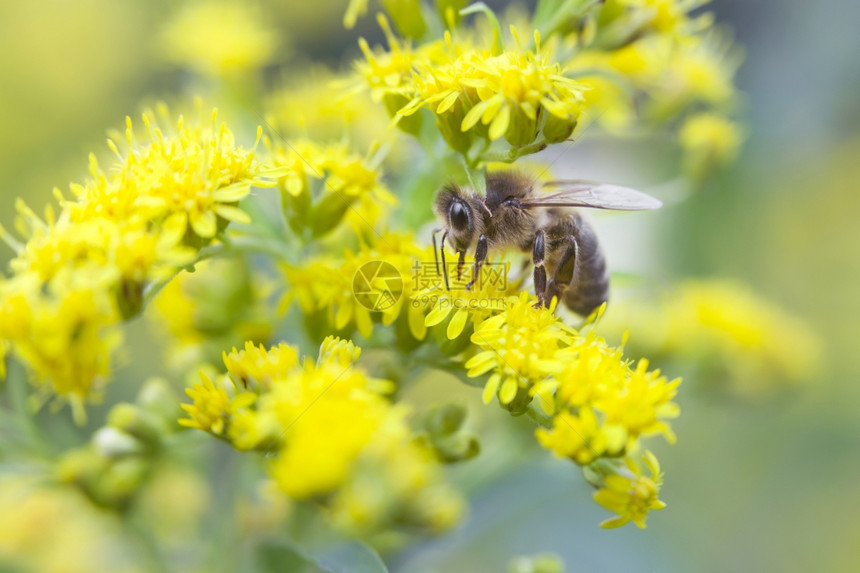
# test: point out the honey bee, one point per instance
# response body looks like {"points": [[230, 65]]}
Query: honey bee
{"points": [[517, 212]]}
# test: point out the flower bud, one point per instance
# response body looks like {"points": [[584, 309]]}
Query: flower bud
{"points": [[407, 16], [557, 129]]}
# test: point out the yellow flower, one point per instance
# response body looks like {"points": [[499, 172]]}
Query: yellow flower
{"points": [[260, 365], [631, 494], [34, 537], [320, 106], [332, 434], [709, 141], [642, 403], [323, 184], [520, 346], [506, 95], [64, 333], [669, 17], [487, 297], [185, 181], [337, 286], [729, 332], [215, 405], [217, 37], [579, 437]]}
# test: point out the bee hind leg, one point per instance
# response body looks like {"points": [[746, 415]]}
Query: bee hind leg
{"points": [[563, 274], [540, 271]]}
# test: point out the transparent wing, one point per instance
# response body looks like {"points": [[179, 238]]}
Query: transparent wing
{"points": [[576, 193]]}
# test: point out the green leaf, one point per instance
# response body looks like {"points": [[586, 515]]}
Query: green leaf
{"points": [[349, 557], [352, 557]]}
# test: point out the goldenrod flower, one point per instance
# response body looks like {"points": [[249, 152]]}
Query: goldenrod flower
{"points": [[487, 297], [520, 347], [709, 141], [668, 17], [184, 180], [214, 406], [84, 270], [257, 364], [335, 436], [630, 493], [217, 37], [579, 437], [327, 285], [316, 106], [515, 95], [735, 337], [321, 185]]}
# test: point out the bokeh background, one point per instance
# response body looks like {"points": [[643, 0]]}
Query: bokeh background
{"points": [[760, 485]]}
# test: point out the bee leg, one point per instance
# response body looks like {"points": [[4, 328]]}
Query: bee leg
{"points": [[540, 271], [444, 263], [563, 274], [436, 250], [480, 257]]}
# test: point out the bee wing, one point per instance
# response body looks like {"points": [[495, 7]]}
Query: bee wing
{"points": [[576, 193]]}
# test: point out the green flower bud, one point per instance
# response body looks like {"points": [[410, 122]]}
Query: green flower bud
{"points": [[522, 130], [556, 129], [410, 124], [158, 398], [407, 16], [449, 11], [137, 422]]}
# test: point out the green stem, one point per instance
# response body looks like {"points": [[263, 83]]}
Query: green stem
{"points": [[515, 152]]}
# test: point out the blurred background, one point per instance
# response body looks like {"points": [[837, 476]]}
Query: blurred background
{"points": [[765, 484]]}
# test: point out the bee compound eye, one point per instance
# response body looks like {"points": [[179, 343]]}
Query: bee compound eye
{"points": [[459, 216]]}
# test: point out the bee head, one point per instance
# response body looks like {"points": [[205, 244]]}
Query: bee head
{"points": [[460, 212]]}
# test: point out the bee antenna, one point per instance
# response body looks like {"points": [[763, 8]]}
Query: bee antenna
{"points": [[487, 209]]}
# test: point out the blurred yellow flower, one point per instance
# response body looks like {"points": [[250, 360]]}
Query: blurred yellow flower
{"points": [[709, 141], [218, 37], [631, 494], [50, 529], [735, 337], [333, 434]]}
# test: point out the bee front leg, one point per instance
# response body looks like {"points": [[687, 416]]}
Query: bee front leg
{"points": [[540, 271], [480, 257]]}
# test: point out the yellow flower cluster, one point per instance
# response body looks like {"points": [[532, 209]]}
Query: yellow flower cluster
{"points": [[335, 436], [323, 184], [85, 269], [600, 407], [630, 493], [348, 293], [314, 105], [477, 94], [749, 345], [217, 37], [709, 141], [672, 63]]}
